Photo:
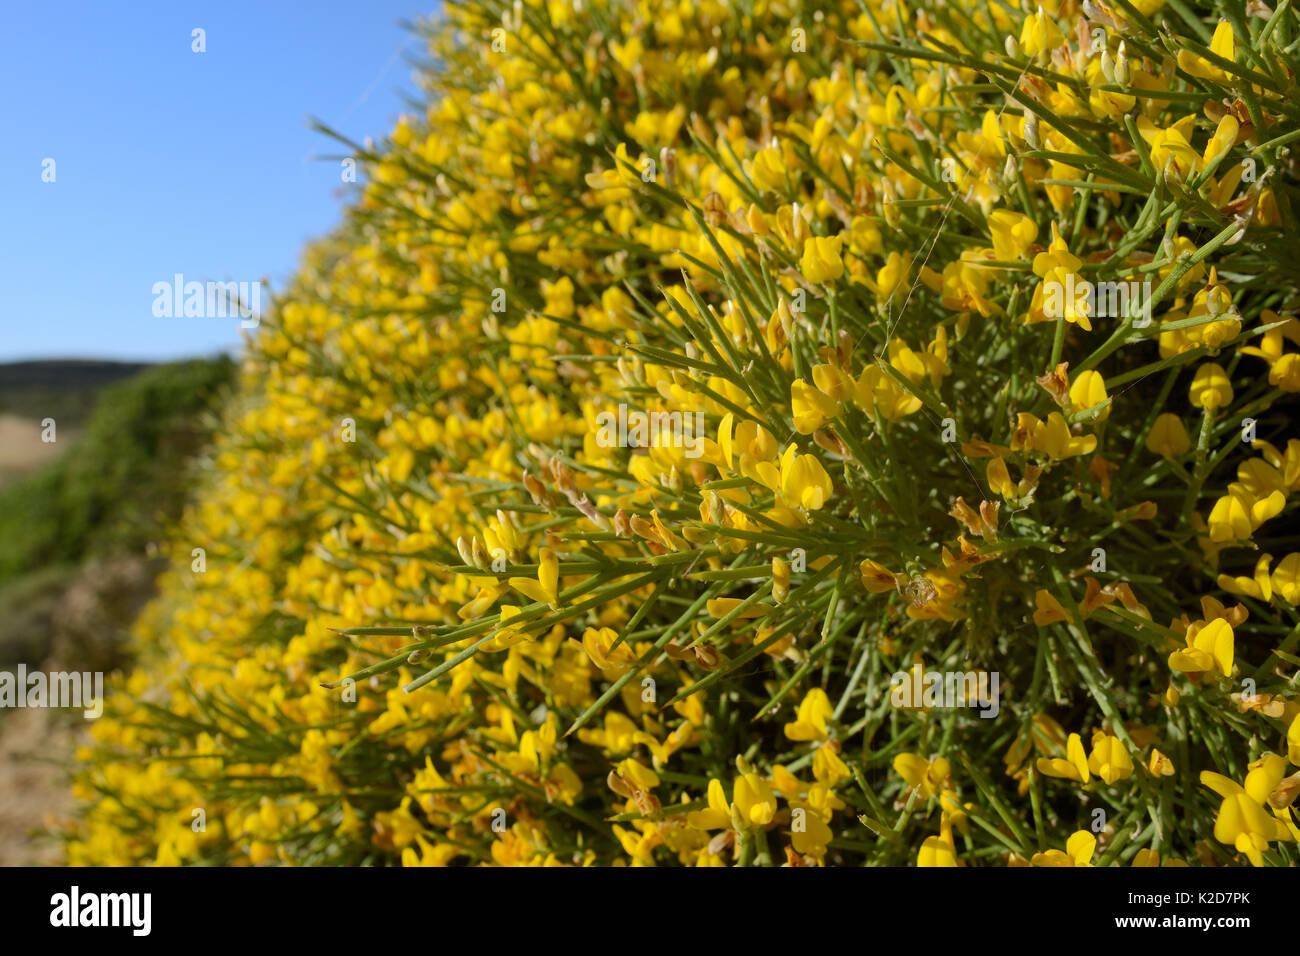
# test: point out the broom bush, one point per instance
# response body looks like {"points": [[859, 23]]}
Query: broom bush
{"points": [[759, 433]]}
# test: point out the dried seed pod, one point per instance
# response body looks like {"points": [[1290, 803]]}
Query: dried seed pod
{"points": [[920, 590], [618, 785], [707, 657], [536, 490], [1285, 792], [715, 209], [668, 160]]}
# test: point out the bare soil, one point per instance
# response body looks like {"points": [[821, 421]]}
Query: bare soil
{"points": [[21, 448], [35, 745]]}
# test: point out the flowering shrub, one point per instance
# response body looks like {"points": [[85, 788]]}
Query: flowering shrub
{"points": [[978, 559]]}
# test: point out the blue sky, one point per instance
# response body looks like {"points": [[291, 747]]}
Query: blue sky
{"points": [[169, 161]]}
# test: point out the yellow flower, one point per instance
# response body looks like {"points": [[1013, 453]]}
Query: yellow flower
{"points": [[397, 828], [1229, 520], [717, 816], [929, 777], [804, 482], [1242, 821], [1051, 438], [810, 723], [767, 170], [864, 236], [1049, 609], [1210, 388], [1237, 514], [892, 275], [1105, 102], [999, 478], [876, 390], [1225, 134], [827, 766], [1039, 33], [1089, 391], [938, 850], [1209, 646], [1222, 44], [637, 774], [1285, 580], [1057, 258], [1012, 233], [1109, 759], [780, 579], [547, 586], [1171, 153], [1258, 586], [1074, 767], [1159, 765], [429, 854], [1168, 437], [811, 407], [721, 607], [599, 645], [821, 260], [1078, 852], [832, 382], [877, 578], [1285, 372], [811, 837], [754, 799]]}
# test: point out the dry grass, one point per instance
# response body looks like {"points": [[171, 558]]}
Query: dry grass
{"points": [[21, 448], [33, 745]]}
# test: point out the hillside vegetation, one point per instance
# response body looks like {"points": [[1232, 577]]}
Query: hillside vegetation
{"points": [[955, 572], [121, 478]]}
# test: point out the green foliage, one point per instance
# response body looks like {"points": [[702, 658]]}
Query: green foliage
{"points": [[26, 607], [112, 491]]}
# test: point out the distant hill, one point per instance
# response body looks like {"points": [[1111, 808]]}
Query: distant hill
{"points": [[62, 389]]}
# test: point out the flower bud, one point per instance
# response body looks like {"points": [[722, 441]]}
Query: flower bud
{"points": [[780, 580], [1108, 67], [1031, 131], [466, 552]]}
